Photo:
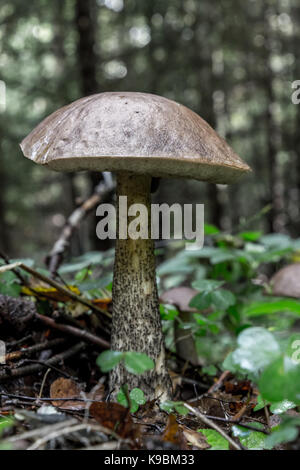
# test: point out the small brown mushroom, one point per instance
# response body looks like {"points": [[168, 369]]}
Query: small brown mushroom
{"points": [[180, 297], [286, 282], [138, 136]]}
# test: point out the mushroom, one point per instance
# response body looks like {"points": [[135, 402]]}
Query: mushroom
{"points": [[180, 297], [286, 282], [138, 136]]}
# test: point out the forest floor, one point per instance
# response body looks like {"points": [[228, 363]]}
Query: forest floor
{"points": [[54, 396]]}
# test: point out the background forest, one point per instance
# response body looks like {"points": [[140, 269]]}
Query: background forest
{"points": [[233, 62], [232, 336]]}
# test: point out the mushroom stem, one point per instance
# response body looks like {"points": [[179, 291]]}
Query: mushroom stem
{"points": [[136, 323]]}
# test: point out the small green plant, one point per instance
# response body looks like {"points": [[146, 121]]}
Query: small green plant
{"points": [[4, 424], [174, 406], [214, 439], [136, 398], [135, 362]]}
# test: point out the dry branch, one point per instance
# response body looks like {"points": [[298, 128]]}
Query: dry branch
{"points": [[104, 190], [73, 331], [28, 370]]}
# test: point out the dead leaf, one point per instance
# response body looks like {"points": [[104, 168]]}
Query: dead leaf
{"points": [[241, 387], [194, 438], [42, 292], [102, 303], [66, 388], [115, 417], [176, 379], [171, 432]]}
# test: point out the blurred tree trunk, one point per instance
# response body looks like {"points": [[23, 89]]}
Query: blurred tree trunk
{"points": [[87, 57], [60, 54], [275, 217], [86, 45], [4, 238], [204, 60]]}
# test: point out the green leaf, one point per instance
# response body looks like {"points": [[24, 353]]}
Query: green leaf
{"points": [[210, 370], [171, 406], [201, 301], [168, 312], [281, 381], [167, 406], [138, 396], [253, 440], [222, 299], [282, 407], [276, 240], [109, 359], [287, 431], [122, 399], [207, 285], [13, 290], [250, 236], [210, 229], [257, 348], [222, 256], [266, 308], [214, 439], [181, 409], [83, 274], [261, 403], [137, 363], [5, 423]]}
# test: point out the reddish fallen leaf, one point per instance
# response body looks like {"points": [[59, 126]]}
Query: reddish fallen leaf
{"points": [[115, 417], [103, 303], [194, 438], [242, 387], [171, 433], [66, 388]]}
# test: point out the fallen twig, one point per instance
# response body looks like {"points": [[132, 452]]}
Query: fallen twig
{"points": [[57, 285], [28, 370], [214, 426], [41, 431], [73, 331], [104, 189], [15, 355], [68, 430], [239, 423], [47, 399], [219, 382]]}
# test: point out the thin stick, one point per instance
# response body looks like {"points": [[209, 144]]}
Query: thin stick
{"points": [[41, 431], [15, 355], [102, 191], [219, 382], [68, 430], [55, 284], [24, 397], [28, 370], [239, 423], [72, 330], [213, 425], [43, 384], [51, 366]]}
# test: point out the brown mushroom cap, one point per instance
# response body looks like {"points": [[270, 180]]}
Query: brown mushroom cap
{"points": [[286, 282], [135, 132], [180, 297]]}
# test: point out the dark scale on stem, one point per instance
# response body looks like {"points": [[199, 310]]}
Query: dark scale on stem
{"points": [[136, 324]]}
